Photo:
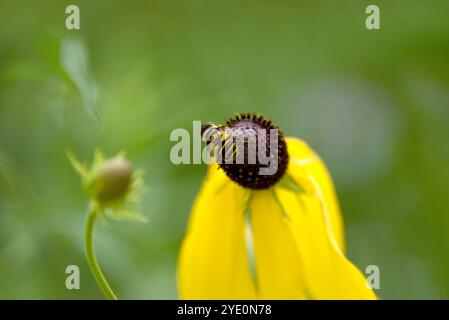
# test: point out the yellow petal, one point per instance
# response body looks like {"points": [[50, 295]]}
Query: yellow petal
{"points": [[317, 229], [278, 266], [213, 259], [303, 156]]}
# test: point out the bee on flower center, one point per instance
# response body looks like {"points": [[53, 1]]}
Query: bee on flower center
{"points": [[249, 148]]}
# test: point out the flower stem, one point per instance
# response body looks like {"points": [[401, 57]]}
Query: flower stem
{"points": [[90, 254]]}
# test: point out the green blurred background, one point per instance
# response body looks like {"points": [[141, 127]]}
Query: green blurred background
{"points": [[373, 103]]}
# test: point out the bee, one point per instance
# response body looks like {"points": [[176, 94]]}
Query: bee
{"points": [[221, 139], [236, 146], [210, 131]]}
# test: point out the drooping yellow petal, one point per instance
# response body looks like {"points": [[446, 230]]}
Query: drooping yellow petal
{"points": [[278, 266], [316, 226], [302, 155], [298, 256], [213, 259]]}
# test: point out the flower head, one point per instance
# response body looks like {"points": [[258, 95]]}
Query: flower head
{"points": [[112, 185], [279, 238], [252, 138]]}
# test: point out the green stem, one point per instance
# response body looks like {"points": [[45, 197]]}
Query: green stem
{"points": [[90, 254]]}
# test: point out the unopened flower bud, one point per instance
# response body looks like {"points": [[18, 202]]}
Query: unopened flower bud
{"points": [[112, 179]]}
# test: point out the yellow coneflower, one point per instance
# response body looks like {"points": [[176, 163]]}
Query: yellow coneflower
{"points": [[267, 237]]}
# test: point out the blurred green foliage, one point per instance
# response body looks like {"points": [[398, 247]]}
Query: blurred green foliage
{"points": [[374, 104]]}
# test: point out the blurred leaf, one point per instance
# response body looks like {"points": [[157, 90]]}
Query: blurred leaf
{"points": [[79, 167], [126, 215], [75, 62]]}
